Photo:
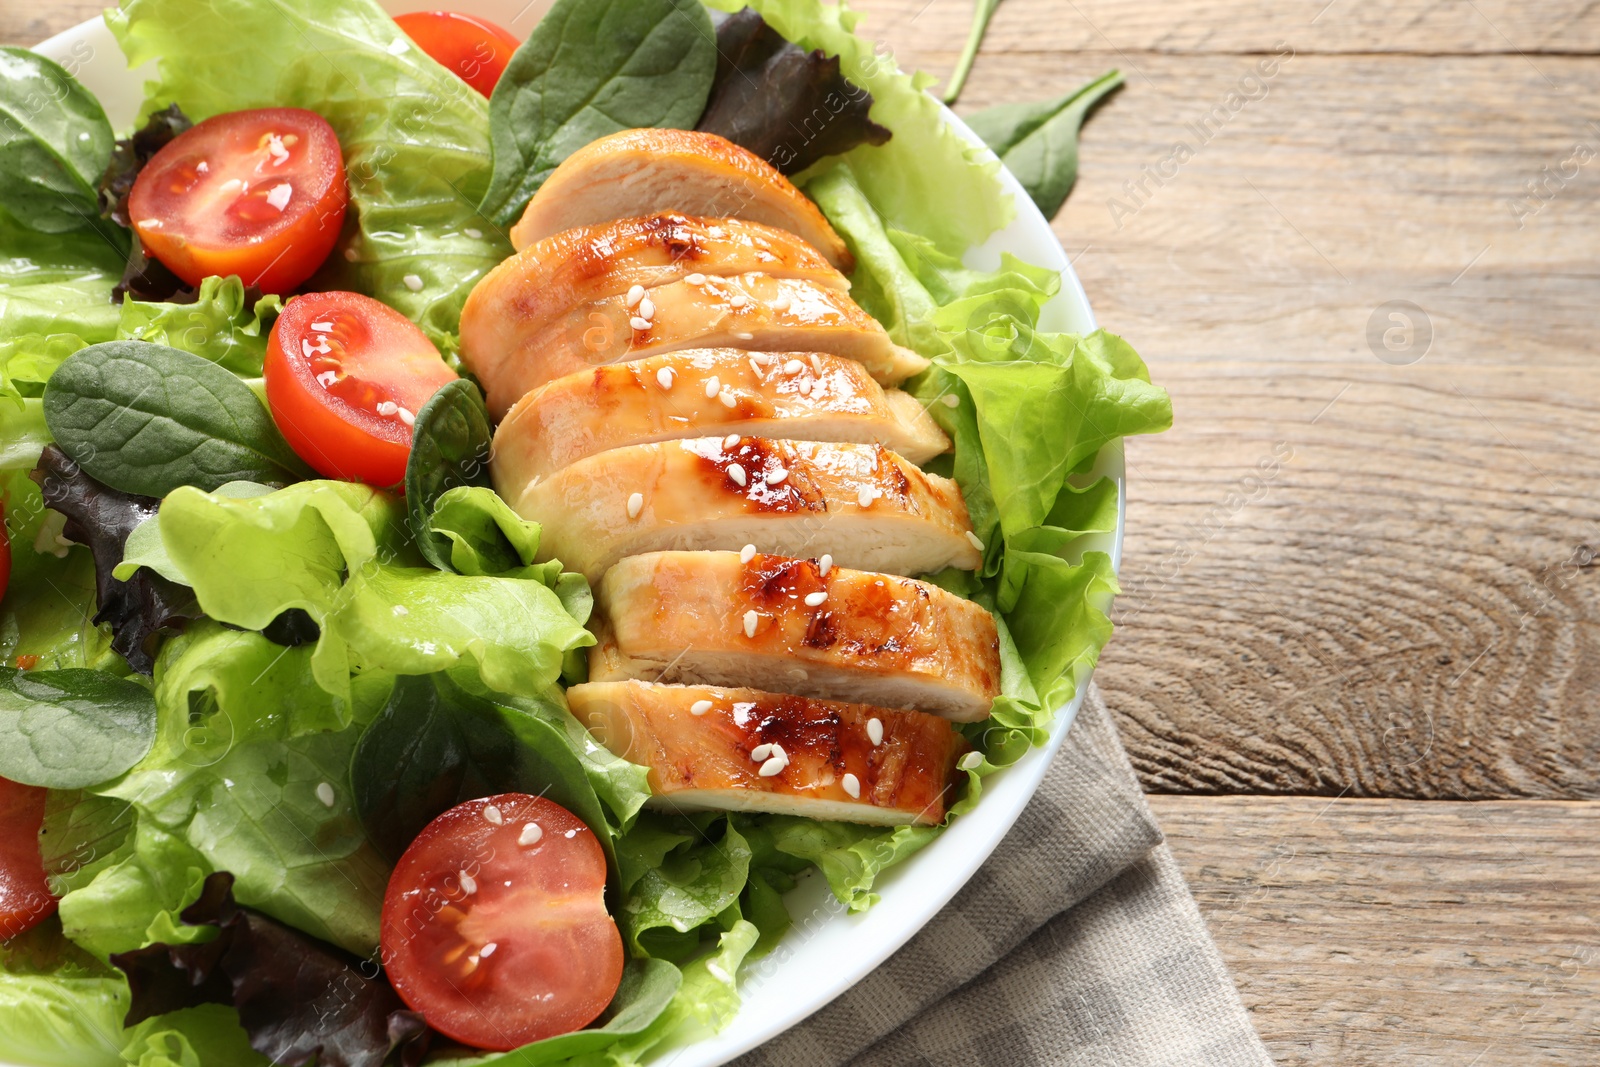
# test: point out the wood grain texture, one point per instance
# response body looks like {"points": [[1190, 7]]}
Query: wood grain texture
{"points": [[1389, 932]]}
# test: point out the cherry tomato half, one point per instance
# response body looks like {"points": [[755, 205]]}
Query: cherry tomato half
{"points": [[474, 49], [346, 376], [25, 898], [260, 194], [495, 925]]}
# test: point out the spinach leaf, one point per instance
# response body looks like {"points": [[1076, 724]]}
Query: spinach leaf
{"points": [[72, 728], [982, 12], [1039, 142], [592, 68], [142, 609], [435, 745], [789, 106], [146, 419], [450, 442], [647, 987], [54, 143]]}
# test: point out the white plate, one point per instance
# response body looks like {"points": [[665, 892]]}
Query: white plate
{"points": [[828, 951]]}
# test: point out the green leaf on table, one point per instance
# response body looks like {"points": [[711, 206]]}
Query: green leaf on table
{"points": [[72, 728], [54, 144], [589, 69], [982, 12], [1039, 142], [146, 419]]}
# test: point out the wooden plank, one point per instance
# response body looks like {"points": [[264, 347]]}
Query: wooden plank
{"points": [[28, 24], [929, 34], [1392, 932]]}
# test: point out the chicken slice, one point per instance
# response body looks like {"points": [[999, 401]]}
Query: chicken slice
{"points": [[713, 618], [749, 750], [549, 278], [753, 311], [637, 172], [863, 503], [704, 391]]}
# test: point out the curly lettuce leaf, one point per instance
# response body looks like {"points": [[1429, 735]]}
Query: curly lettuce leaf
{"points": [[415, 136], [223, 324]]}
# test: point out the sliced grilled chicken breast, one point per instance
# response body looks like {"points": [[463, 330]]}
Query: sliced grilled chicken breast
{"points": [[753, 311], [749, 750], [704, 391], [713, 618], [864, 504], [571, 269], [638, 172]]}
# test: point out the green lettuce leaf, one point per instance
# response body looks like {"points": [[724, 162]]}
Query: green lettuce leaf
{"points": [[192, 1037], [218, 325], [415, 136], [926, 166], [58, 1006]]}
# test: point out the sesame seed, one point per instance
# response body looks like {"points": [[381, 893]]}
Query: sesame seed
{"points": [[875, 731], [413, 282], [755, 368], [781, 303], [635, 505], [747, 553], [474, 233], [469, 884], [745, 336], [973, 540], [825, 564], [773, 766], [664, 377], [971, 761], [492, 816], [766, 359], [699, 707], [816, 364], [406, 416], [852, 785], [635, 294], [816, 600], [750, 620], [950, 400], [805, 386], [760, 752], [639, 324], [696, 279], [776, 475], [647, 308], [738, 300], [794, 366], [387, 408], [865, 496], [713, 387], [736, 472], [531, 832], [325, 794], [727, 398], [777, 750], [731, 441]]}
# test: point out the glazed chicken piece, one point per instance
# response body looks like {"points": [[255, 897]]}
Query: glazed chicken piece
{"points": [[753, 311], [546, 280], [714, 618], [703, 391], [749, 750], [863, 503], [639, 172]]}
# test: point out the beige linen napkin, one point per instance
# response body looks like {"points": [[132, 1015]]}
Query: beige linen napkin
{"points": [[1076, 943]]}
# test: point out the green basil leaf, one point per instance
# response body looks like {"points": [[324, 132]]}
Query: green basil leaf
{"points": [[592, 68], [146, 419], [648, 986], [435, 745], [1039, 142], [72, 728], [54, 144], [450, 442]]}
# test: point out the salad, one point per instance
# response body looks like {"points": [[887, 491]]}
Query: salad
{"points": [[483, 518]]}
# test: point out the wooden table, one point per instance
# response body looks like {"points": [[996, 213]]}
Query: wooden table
{"points": [[1358, 663]]}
